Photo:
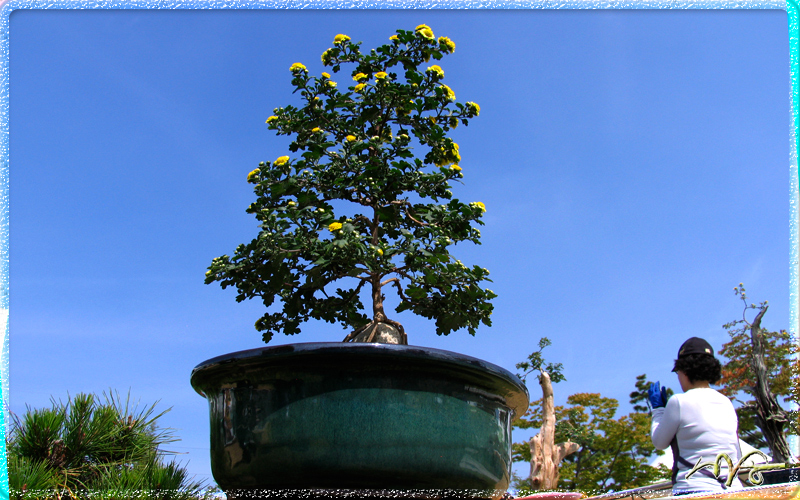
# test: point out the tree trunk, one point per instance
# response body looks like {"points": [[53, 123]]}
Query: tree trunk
{"points": [[545, 454], [771, 418]]}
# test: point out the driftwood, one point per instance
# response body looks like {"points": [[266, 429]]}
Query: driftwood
{"points": [[545, 454], [771, 418]]}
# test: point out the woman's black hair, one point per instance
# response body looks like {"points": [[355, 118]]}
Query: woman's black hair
{"points": [[699, 367]]}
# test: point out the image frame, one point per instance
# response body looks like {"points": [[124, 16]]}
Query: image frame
{"points": [[7, 7]]}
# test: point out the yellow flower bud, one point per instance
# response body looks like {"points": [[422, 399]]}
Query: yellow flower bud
{"points": [[435, 70], [297, 67], [325, 56], [447, 45], [252, 177], [448, 92], [425, 31]]}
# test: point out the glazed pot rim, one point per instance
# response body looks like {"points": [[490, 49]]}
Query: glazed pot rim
{"points": [[411, 353]]}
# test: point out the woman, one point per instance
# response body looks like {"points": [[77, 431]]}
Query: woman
{"points": [[698, 424]]}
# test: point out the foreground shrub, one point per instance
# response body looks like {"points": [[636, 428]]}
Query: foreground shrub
{"points": [[85, 448]]}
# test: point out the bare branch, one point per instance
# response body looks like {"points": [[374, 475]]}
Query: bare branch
{"points": [[397, 284], [415, 220]]}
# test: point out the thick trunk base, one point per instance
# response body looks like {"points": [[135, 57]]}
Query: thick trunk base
{"points": [[379, 332]]}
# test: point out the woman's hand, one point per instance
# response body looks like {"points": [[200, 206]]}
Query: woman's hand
{"points": [[657, 395]]}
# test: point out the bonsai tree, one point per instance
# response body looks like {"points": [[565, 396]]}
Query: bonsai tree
{"points": [[364, 201], [760, 365], [545, 454]]}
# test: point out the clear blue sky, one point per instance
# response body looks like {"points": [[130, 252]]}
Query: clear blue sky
{"points": [[635, 166]]}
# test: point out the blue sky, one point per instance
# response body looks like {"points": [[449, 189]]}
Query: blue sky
{"points": [[635, 166]]}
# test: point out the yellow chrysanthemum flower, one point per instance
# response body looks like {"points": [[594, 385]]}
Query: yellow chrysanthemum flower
{"points": [[360, 87], [449, 157], [425, 31], [271, 119], [393, 37], [478, 204], [449, 92], [326, 75], [359, 76], [456, 168], [334, 226], [315, 130], [436, 70], [331, 84], [326, 57], [280, 161], [252, 177], [350, 138], [475, 108], [297, 67], [340, 38], [380, 74], [447, 44]]}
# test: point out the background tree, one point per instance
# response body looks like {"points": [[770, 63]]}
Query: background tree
{"points": [[85, 448], [761, 367], [356, 204], [613, 452]]}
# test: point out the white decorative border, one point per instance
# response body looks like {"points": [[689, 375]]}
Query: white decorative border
{"points": [[8, 6]]}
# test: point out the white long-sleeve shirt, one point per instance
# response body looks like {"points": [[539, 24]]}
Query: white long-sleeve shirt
{"points": [[699, 423]]}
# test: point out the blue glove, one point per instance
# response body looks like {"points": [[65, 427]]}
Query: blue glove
{"points": [[657, 395]]}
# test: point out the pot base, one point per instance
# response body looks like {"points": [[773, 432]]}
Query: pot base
{"points": [[324, 494]]}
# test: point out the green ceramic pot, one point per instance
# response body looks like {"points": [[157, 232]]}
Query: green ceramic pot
{"points": [[359, 416]]}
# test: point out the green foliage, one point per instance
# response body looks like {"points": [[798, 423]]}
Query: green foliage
{"points": [[738, 376], [536, 363], [356, 204], [614, 452], [87, 448]]}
